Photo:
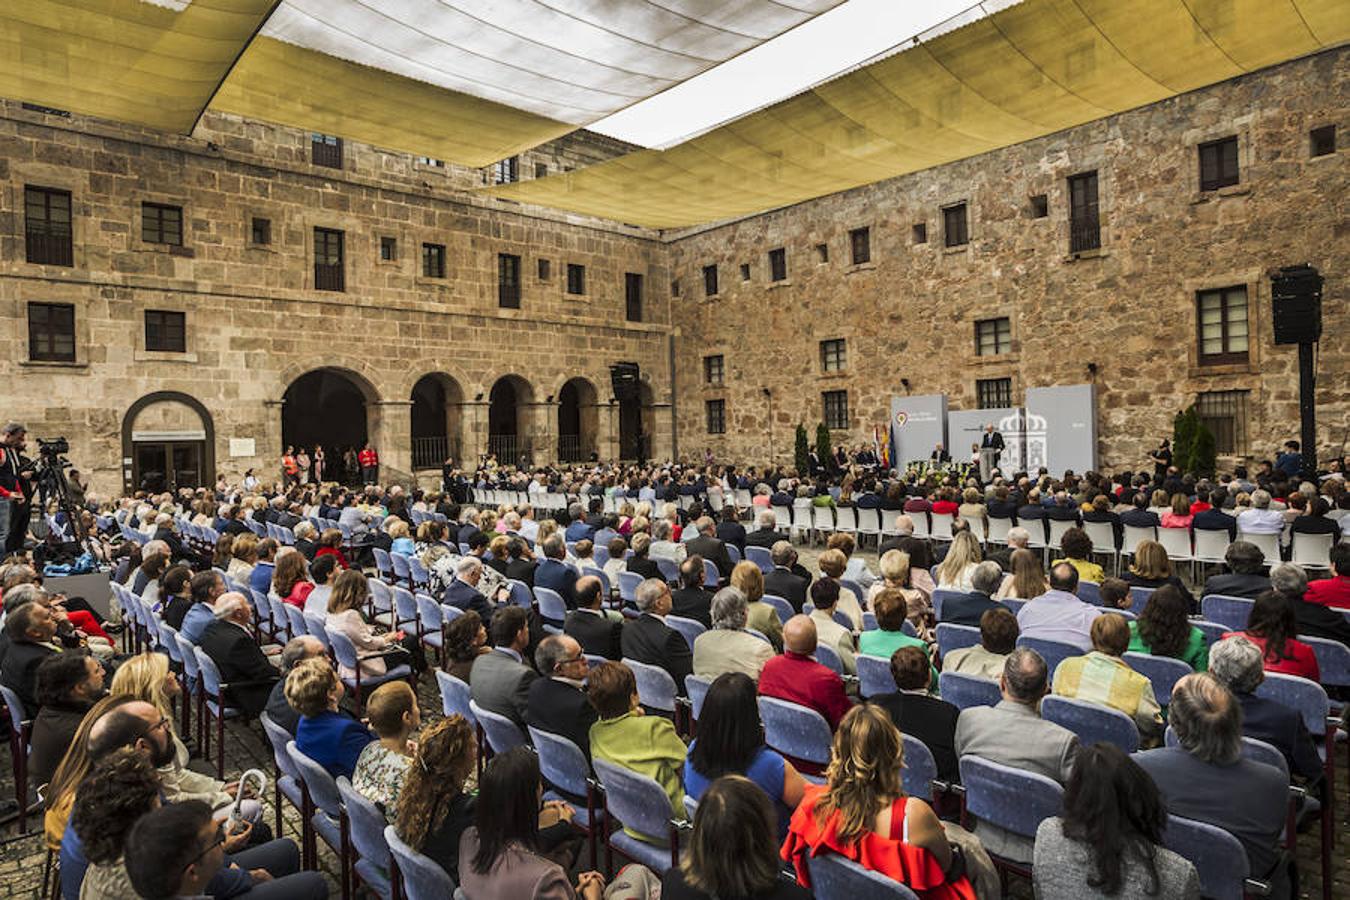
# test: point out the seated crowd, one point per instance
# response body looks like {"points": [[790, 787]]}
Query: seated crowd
{"points": [[677, 630]]}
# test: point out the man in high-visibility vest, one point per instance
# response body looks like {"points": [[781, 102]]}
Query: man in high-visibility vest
{"points": [[370, 464]]}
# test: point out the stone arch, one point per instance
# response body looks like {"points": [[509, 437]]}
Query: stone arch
{"points": [[174, 427], [436, 419], [637, 421], [335, 407], [578, 419], [511, 418]]}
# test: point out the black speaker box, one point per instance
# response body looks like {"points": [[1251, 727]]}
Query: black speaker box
{"points": [[623, 379], [1296, 304]]}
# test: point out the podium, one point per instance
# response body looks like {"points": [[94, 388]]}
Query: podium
{"points": [[988, 462]]}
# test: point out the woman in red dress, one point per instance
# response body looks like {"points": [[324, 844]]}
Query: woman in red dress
{"points": [[1272, 626], [861, 812]]}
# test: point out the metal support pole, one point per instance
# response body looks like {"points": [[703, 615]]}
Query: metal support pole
{"points": [[1307, 391]]}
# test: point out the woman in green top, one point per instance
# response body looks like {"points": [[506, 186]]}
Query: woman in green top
{"points": [[624, 736], [891, 608], [1164, 629]]}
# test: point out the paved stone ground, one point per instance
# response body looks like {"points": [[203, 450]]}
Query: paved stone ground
{"points": [[22, 857]]}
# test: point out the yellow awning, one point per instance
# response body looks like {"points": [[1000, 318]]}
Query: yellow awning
{"points": [[1019, 73]]}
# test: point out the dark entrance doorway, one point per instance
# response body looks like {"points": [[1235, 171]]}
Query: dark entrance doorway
{"points": [[506, 430], [635, 425], [577, 415], [168, 465], [326, 408], [436, 405]]}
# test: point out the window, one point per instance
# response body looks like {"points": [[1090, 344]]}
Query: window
{"points": [[833, 355], [745, 271], [632, 295], [161, 224], [429, 161], [836, 409], [46, 110], [506, 171], [165, 331], [47, 226], [717, 416], [388, 248], [1218, 163], [328, 270], [1322, 141], [545, 269], [325, 150], [1085, 229], [260, 231], [993, 393], [51, 332], [955, 231], [540, 170], [993, 336], [1222, 318], [714, 369], [576, 279], [822, 253], [778, 264], [710, 281], [1040, 206], [920, 233], [1225, 414], [433, 260], [675, 287], [508, 281], [860, 242]]}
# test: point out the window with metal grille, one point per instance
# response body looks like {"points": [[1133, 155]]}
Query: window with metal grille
{"points": [[993, 336], [778, 264], [506, 171], [430, 161], [260, 231], [674, 287], [328, 257], [433, 260], [1322, 141], [835, 408], [833, 355], [993, 393], [576, 279], [508, 281], [47, 226], [1225, 414], [51, 332], [632, 296], [325, 150], [162, 224], [1221, 315], [1040, 206], [955, 229], [745, 271], [860, 242], [388, 248], [47, 110], [1085, 230], [545, 269], [165, 331], [822, 253], [1218, 163], [713, 369], [920, 232], [710, 281], [717, 416]]}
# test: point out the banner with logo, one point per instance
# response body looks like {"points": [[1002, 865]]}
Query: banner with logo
{"points": [[917, 425], [1061, 428]]}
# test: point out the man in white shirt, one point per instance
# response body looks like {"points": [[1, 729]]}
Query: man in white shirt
{"points": [[1261, 519], [1058, 614], [662, 545]]}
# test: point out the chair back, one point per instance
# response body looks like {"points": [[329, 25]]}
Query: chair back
{"points": [[422, 877], [383, 562], [520, 594], [189, 653], [1213, 631], [1090, 592], [835, 877], [552, 607], [18, 717], [628, 585], [1333, 660], [795, 730], [656, 689], [279, 737], [366, 823], [210, 674], [343, 649], [1102, 535], [845, 519], [1219, 858], [402, 570], [939, 597], [323, 790], [1092, 722], [1176, 541], [712, 576], [1012, 799], [697, 689], [669, 570], [455, 697], [1308, 697], [828, 657], [561, 762], [380, 596], [1053, 652], [417, 571], [1135, 534], [1139, 597], [1312, 551], [781, 607], [956, 637], [761, 557], [874, 675], [1210, 545], [295, 616], [502, 734], [842, 619], [405, 605], [997, 530], [920, 768], [964, 691], [1057, 529], [1163, 671], [428, 614], [636, 801], [1232, 612], [168, 637], [690, 629], [316, 625], [1268, 543]]}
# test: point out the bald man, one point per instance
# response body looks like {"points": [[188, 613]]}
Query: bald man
{"points": [[796, 677], [230, 643]]}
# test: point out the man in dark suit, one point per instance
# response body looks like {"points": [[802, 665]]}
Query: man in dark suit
{"points": [[522, 565], [557, 701], [230, 643], [939, 455], [1031, 515], [597, 633], [468, 529], [1063, 509], [691, 600], [1215, 519], [578, 529], [553, 573], [708, 546], [30, 632], [1018, 538], [462, 592], [730, 530], [1237, 663], [766, 534], [919, 715], [1244, 561], [966, 609], [649, 640], [1141, 516], [500, 680], [992, 440], [278, 709], [782, 581]]}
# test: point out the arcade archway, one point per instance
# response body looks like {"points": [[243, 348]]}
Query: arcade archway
{"points": [[578, 420], [508, 411], [328, 408], [437, 404]]}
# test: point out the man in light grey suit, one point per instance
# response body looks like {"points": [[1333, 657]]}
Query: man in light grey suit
{"points": [[1014, 734], [500, 680]]}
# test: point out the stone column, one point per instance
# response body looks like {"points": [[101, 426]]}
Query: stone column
{"points": [[540, 428], [389, 423], [474, 430]]}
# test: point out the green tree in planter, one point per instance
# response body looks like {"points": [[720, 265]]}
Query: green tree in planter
{"points": [[1192, 443], [801, 451], [823, 449]]}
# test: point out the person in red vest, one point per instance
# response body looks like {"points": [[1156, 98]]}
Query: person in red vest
{"points": [[289, 467], [370, 464]]}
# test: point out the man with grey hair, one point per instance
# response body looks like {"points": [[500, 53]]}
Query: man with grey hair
{"points": [[1239, 666], [708, 546], [1014, 734], [578, 529], [967, 608], [306, 646], [1314, 619], [904, 527], [766, 531], [1018, 538], [1260, 519], [462, 592], [230, 643], [554, 573], [1208, 779], [557, 701], [691, 600], [1244, 577], [785, 580], [728, 647], [141, 578], [662, 546], [648, 639]]}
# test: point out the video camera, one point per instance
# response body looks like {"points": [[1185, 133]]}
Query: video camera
{"points": [[55, 447]]}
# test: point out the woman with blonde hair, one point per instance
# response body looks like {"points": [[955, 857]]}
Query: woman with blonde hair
{"points": [[1180, 515], [862, 813], [749, 580], [955, 571], [626, 513], [400, 535], [833, 564], [1153, 568], [244, 555], [147, 677], [972, 509], [1027, 579], [895, 575]]}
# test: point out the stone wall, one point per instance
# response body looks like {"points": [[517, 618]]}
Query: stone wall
{"points": [[1130, 308]]}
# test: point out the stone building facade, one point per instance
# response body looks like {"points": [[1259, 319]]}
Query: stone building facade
{"points": [[418, 354]]}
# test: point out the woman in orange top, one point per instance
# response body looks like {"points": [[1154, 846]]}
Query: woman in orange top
{"points": [[1272, 626], [289, 465], [862, 813]]}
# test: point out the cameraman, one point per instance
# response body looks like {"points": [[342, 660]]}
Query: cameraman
{"points": [[16, 487]]}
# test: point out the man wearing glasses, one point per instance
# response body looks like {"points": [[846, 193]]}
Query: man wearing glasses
{"points": [[557, 702], [175, 851]]}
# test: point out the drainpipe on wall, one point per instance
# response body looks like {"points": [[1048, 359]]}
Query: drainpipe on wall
{"points": [[674, 431]]}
